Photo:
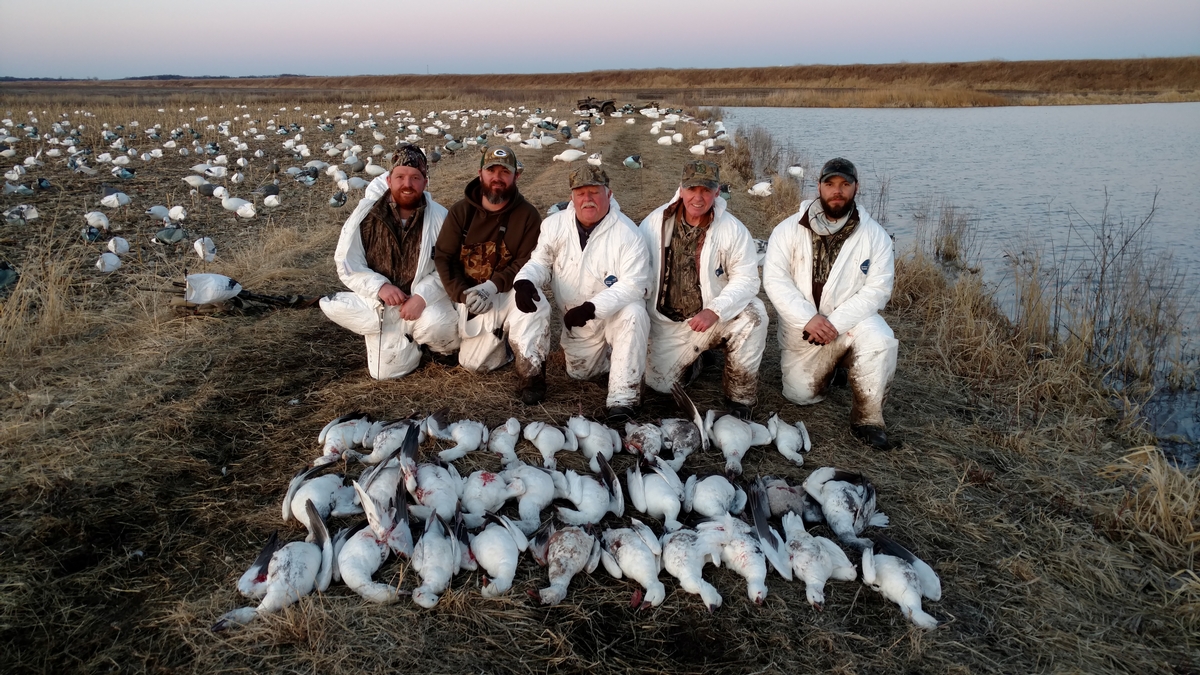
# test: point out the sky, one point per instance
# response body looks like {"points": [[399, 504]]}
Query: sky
{"points": [[126, 38]]}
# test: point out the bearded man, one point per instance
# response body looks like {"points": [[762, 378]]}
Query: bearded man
{"points": [[385, 257], [703, 283], [487, 237], [828, 271], [593, 259]]}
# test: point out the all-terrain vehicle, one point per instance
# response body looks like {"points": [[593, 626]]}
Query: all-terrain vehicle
{"points": [[606, 106]]}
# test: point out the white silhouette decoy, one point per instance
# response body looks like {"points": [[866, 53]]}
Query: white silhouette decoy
{"points": [[108, 262], [569, 155], [118, 245], [761, 188], [903, 578], [115, 200], [96, 219], [636, 553], [206, 248]]}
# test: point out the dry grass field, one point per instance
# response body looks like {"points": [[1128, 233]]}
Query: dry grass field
{"points": [[146, 454], [898, 85]]}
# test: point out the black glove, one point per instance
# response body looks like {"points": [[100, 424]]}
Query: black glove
{"points": [[526, 294], [577, 316]]}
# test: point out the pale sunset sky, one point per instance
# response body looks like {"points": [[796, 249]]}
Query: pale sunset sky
{"points": [[123, 38]]}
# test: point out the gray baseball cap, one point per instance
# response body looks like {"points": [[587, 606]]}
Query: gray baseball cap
{"points": [[839, 166]]}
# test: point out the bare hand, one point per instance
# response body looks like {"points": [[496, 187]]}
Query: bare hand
{"points": [[391, 295], [820, 331], [703, 321], [412, 308]]}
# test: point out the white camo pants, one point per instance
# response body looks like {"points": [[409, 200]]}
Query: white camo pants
{"points": [[674, 346], [482, 347], [868, 351], [393, 344]]}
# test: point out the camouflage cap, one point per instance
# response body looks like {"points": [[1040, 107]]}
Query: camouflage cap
{"points": [[500, 156], [699, 173], [586, 174], [839, 167]]}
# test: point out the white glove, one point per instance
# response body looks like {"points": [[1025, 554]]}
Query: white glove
{"points": [[478, 299]]}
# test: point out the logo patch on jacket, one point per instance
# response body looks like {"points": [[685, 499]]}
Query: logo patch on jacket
{"points": [[720, 270], [610, 280], [865, 266]]}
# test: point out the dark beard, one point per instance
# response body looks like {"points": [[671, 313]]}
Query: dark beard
{"points": [[495, 197], [832, 214]]}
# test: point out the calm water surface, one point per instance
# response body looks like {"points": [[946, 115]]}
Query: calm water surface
{"points": [[1025, 173]]}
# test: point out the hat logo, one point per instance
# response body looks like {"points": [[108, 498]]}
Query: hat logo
{"points": [[865, 266], [499, 152]]}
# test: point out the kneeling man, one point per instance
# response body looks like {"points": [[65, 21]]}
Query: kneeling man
{"points": [[703, 283], [594, 261], [385, 257], [828, 271]]}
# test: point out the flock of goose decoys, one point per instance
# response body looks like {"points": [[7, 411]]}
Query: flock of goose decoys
{"points": [[231, 148], [572, 522]]}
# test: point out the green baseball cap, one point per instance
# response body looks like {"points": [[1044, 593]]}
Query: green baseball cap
{"points": [[587, 174], [500, 156], [699, 173]]}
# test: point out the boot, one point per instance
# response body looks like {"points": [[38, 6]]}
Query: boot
{"points": [[874, 436], [532, 389]]}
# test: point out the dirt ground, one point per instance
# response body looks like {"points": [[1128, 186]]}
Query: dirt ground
{"points": [[145, 455]]}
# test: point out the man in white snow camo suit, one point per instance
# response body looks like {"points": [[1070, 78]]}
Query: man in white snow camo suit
{"points": [[594, 261], [828, 271], [385, 257], [703, 283]]}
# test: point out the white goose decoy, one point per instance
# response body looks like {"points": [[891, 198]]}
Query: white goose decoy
{"points": [[468, 435], [847, 502], [503, 441], [539, 491], [596, 158], [158, 212], [271, 201], [108, 262], [592, 498], [177, 214], [636, 553], [569, 155], [789, 440], [550, 439], [657, 494], [903, 578], [118, 245], [206, 248], [326, 492], [565, 552], [713, 496], [292, 573], [594, 439], [760, 189], [436, 557], [115, 200], [497, 549], [96, 219], [363, 553], [815, 560], [734, 436], [684, 554]]}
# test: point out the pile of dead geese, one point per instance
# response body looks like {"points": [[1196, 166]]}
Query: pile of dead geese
{"points": [[558, 515]]}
